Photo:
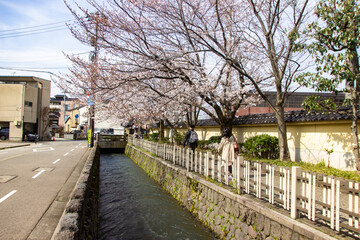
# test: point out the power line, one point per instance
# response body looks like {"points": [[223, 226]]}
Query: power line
{"points": [[32, 33], [29, 70], [37, 26]]}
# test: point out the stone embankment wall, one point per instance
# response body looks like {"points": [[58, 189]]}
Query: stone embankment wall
{"points": [[80, 218], [229, 215]]}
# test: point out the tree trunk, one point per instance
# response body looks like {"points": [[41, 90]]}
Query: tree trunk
{"points": [[226, 124], [354, 130], [161, 130], [283, 145], [354, 88]]}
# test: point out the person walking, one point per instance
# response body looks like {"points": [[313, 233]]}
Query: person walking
{"points": [[191, 138], [227, 149]]}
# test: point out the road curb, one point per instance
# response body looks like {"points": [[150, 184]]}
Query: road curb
{"points": [[15, 146], [76, 215]]}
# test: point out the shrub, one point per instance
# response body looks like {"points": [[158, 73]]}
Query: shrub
{"points": [[202, 144], [179, 137], [214, 139], [165, 140], [263, 146], [154, 136]]}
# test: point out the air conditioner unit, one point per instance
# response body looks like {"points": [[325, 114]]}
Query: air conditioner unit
{"points": [[17, 123]]}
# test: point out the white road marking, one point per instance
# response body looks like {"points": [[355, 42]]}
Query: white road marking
{"points": [[72, 150], [56, 161], [43, 149], [66, 154], [77, 146], [38, 174], [7, 196]]}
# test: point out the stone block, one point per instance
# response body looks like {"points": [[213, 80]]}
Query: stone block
{"points": [[243, 214], [237, 223], [275, 229], [65, 235], [244, 227], [232, 230], [231, 219], [218, 220], [227, 205], [251, 218], [260, 222], [74, 206], [70, 222], [216, 210], [295, 236], [239, 235], [218, 230], [267, 226], [286, 233], [252, 233], [235, 211], [79, 192]]}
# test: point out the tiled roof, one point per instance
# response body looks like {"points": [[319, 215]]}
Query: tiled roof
{"points": [[291, 116]]}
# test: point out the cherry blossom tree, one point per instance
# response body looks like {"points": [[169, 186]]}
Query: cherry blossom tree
{"points": [[149, 65], [258, 38]]}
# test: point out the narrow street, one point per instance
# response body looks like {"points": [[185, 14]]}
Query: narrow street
{"points": [[35, 183]]}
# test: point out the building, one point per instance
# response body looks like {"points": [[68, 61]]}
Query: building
{"points": [[71, 115], [24, 105], [77, 119], [293, 103]]}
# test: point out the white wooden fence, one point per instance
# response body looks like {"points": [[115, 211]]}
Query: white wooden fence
{"points": [[330, 200]]}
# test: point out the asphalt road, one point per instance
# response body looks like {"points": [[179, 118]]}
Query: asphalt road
{"points": [[35, 184]]}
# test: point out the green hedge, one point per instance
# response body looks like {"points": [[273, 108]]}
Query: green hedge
{"points": [[262, 146]]}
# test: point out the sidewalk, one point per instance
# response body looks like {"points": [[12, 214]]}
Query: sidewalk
{"points": [[10, 144]]}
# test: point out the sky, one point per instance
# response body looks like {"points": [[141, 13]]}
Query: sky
{"points": [[33, 36]]}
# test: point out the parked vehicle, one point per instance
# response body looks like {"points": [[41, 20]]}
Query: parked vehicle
{"points": [[31, 137], [4, 133]]}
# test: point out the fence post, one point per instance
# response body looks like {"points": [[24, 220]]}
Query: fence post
{"points": [[337, 207], [213, 166], [295, 172], [174, 152], [219, 173], [191, 160], [258, 179], [247, 176], [196, 161], [187, 159], [226, 172], [200, 163], [207, 164]]}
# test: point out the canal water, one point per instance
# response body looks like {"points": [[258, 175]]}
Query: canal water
{"points": [[134, 206]]}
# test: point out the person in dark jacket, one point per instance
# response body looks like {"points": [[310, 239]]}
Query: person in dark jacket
{"points": [[191, 138]]}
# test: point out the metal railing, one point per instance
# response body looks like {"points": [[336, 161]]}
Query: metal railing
{"points": [[326, 199]]}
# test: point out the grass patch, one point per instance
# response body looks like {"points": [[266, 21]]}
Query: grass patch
{"points": [[318, 168]]}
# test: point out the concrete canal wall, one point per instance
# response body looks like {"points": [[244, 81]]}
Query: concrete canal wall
{"points": [[229, 215], [80, 218]]}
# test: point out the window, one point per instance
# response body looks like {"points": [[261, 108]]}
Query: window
{"points": [[66, 107], [28, 104]]}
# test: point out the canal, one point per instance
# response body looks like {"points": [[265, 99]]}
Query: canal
{"points": [[134, 206]]}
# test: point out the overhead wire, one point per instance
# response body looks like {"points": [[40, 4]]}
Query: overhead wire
{"points": [[36, 26], [39, 29]]}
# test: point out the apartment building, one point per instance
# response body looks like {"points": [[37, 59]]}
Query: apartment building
{"points": [[24, 105]]}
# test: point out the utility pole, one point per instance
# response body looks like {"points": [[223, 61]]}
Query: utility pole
{"points": [[91, 100]]}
